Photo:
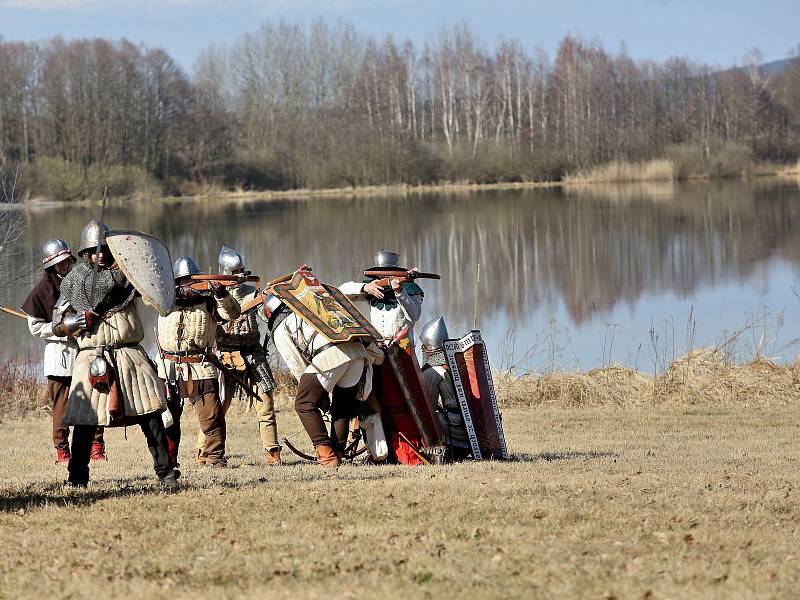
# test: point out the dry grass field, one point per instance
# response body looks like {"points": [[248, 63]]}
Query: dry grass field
{"points": [[661, 501]]}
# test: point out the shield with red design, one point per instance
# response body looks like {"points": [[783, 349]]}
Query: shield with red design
{"points": [[472, 379], [324, 307]]}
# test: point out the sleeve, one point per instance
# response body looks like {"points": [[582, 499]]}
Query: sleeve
{"points": [[42, 329], [228, 308], [353, 289], [411, 305], [431, 379]]}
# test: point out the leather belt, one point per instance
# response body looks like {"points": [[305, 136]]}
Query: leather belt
{"points": [[182, 358]]}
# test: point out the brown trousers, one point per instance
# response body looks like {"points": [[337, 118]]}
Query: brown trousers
{"points": [[58, 389], [312, 399], [210, 416]]}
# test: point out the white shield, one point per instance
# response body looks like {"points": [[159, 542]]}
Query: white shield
{"points": [[145, 261]]}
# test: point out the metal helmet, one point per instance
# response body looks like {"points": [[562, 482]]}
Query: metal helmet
{"points": [[55, 251], [184, 267], [386, 259], [433, 334], [230, 260], [93, 232]]}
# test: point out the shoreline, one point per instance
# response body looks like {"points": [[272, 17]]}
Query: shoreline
{"points": [[569, 182]]}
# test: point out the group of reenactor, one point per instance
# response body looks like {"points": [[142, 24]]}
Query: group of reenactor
{"points": [[210, 350]]}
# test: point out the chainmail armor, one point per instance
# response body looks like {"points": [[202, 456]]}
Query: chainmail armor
{"points": [[112, 291], [435, 358]]}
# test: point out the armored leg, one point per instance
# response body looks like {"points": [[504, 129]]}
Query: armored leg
{"points": [[310, 401], [78, 468]]}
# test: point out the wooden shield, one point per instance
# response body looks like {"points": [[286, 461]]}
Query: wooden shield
{"points": [[472, 379], [408, 377], [324, 307]]}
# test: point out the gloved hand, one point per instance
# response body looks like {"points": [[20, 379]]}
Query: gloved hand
{"points": [[219, 291]]}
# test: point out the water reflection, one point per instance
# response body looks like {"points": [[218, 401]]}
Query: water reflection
{"points": [[584, 257]]}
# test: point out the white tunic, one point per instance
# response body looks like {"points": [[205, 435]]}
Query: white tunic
{"points": [[59, 353], [388, 322], [334, 365]]}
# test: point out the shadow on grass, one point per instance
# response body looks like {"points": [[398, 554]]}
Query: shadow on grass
{"points": [[564, 455], [58, 494]]}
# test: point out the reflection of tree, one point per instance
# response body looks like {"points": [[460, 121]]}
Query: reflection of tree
{"points": [[535, 246]]}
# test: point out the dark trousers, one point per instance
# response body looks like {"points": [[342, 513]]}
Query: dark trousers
{"points": [[312, 399], [210, 416], [83, 435], [175, 406], [58, 389]]}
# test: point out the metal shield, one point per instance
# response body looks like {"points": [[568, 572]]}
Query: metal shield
{"points": [[324, 307], [408, 378], [145, 261], [472, 379]]}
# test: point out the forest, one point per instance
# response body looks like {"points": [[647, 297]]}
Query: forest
{"points": [[327, 106]]}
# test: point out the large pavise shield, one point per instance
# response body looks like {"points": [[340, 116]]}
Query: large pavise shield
{"points": [[146, 263], [323, 307], [406, 375], [472, 379]]}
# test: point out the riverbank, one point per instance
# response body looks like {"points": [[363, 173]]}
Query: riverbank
{"points": [[615, 172]]}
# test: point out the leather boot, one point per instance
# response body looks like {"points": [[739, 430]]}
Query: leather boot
{"points": [[198, 458], [273, 457], [98, 452], [327, 456]]}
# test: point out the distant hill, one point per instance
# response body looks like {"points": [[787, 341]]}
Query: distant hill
{"points": [[776, 66]]}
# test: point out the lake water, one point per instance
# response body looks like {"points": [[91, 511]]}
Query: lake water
{"points": [[569, 278]]}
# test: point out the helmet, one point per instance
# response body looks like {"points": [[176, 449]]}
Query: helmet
{"points": [[433, 334], [94, 232], [387, 259], [184, 267], [55, 251], [230, 260]]}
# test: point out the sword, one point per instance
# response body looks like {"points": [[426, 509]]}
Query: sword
{"points": [[97, 250]]}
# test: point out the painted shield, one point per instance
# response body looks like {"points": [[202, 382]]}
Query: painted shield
{"points": [[145, 261], [407, 376], [472, 379], [323, 307]]}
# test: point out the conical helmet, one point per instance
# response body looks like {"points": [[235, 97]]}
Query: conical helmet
{"points": [[94, 232], [184, 267], [230, 260], [433, 334], [55, 251]]}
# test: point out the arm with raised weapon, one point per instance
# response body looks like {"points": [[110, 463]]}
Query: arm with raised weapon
{"points": [[206, 283]]}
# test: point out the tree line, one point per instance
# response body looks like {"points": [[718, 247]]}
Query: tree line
{"points": [[288, 106]]}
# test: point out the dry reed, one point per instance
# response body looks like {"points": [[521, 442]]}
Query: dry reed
{"points": [[702, 377], [621, 171]]}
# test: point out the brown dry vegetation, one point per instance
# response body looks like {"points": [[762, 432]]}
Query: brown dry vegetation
{"points": [[631, 498]]}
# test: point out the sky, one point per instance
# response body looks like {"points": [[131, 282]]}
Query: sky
{"points": [[718, 32]]}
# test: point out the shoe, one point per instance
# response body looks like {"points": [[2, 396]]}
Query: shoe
{"points": [[76, 484], [98, 452], [273, 457], [327, 456], [217, 463], [170, 483], [62, 456], [199, 459]]}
